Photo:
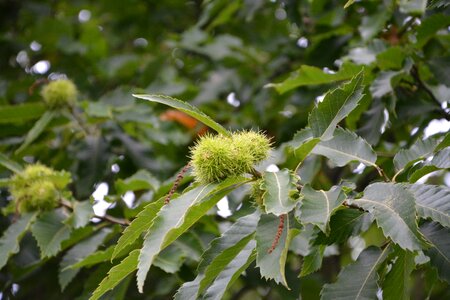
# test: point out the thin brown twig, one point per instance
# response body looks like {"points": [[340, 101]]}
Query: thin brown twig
{"points": [[176, 183], [278, 235]]}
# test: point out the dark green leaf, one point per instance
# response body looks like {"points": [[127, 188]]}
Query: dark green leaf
{"points": [[10, 164], [21, 113], [439, 253], [432, 202], [37, 129], [313, 261], [9, 242], [358, 280], [396, 284], [336, 105]]}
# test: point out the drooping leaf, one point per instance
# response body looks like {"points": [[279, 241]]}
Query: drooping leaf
{"points": [[50, 231], [176, 217], [439, 253], [393, 208], [271, 265], [405, 157], [382, 86], [76, 254], [317, 207], [373, 122], [344, 147], [220, 252], [9, 242], [396, 284], [358, 280], [117, 274], [138, 226], [10, 164], [343, 224], [37, 129], [142, 180], [278, 189], [231, 272], [432, 201], [313, 261], [186, 108], [309, 75], [336, 105]]}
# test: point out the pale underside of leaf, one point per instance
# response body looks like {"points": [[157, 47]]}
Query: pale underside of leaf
{"points": [[358, 280], [393, 208], [277, 186]]}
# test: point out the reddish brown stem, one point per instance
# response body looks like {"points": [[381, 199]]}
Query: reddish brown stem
{"points": [[176, 183], [36, 84], [278, 235]]}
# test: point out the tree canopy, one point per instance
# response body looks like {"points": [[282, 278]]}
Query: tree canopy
{"points": [[240, 149]]}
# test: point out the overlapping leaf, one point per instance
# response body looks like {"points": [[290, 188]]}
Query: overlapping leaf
{"points": [[344, 147], [186, 108], [317, 207], [272, 264], [393, 208], [50, 231], [221, 251], [405, 157], [336, 105], [37, 129], [396, 284], [278, 189], [117, 274], [9, 242], [358, 280], [432, 202], [439, 253], [176, 217]]}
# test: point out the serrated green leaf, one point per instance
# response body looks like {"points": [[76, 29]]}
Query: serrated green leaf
{"points": [[186, 108], [271, 265], [9, 242], [10, 164], [50, 231], [344, 147], [393, 208], [278, 188], [439, 253], [301, 145], [432, 201], [336, 105], [313, 261], [76, 254], [317, 207], [37, 129], [358, 280], [419, 173], [176, 217], [442, 159], [309, 75], [396, 284], [139, 225], [170, 259], [406, 157], [343, 224], [231, 272], [81, 215], [392, 58], [142, 180], [21, 113], [117, 274], [221, 251], [93, 258]]}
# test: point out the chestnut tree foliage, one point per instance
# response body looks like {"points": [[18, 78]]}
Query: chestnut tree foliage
{"points": [[322, 124]]}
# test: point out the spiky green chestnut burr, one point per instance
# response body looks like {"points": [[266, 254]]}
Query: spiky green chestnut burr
{"points": [[215, 158], [59, 93], [37, 188]]}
